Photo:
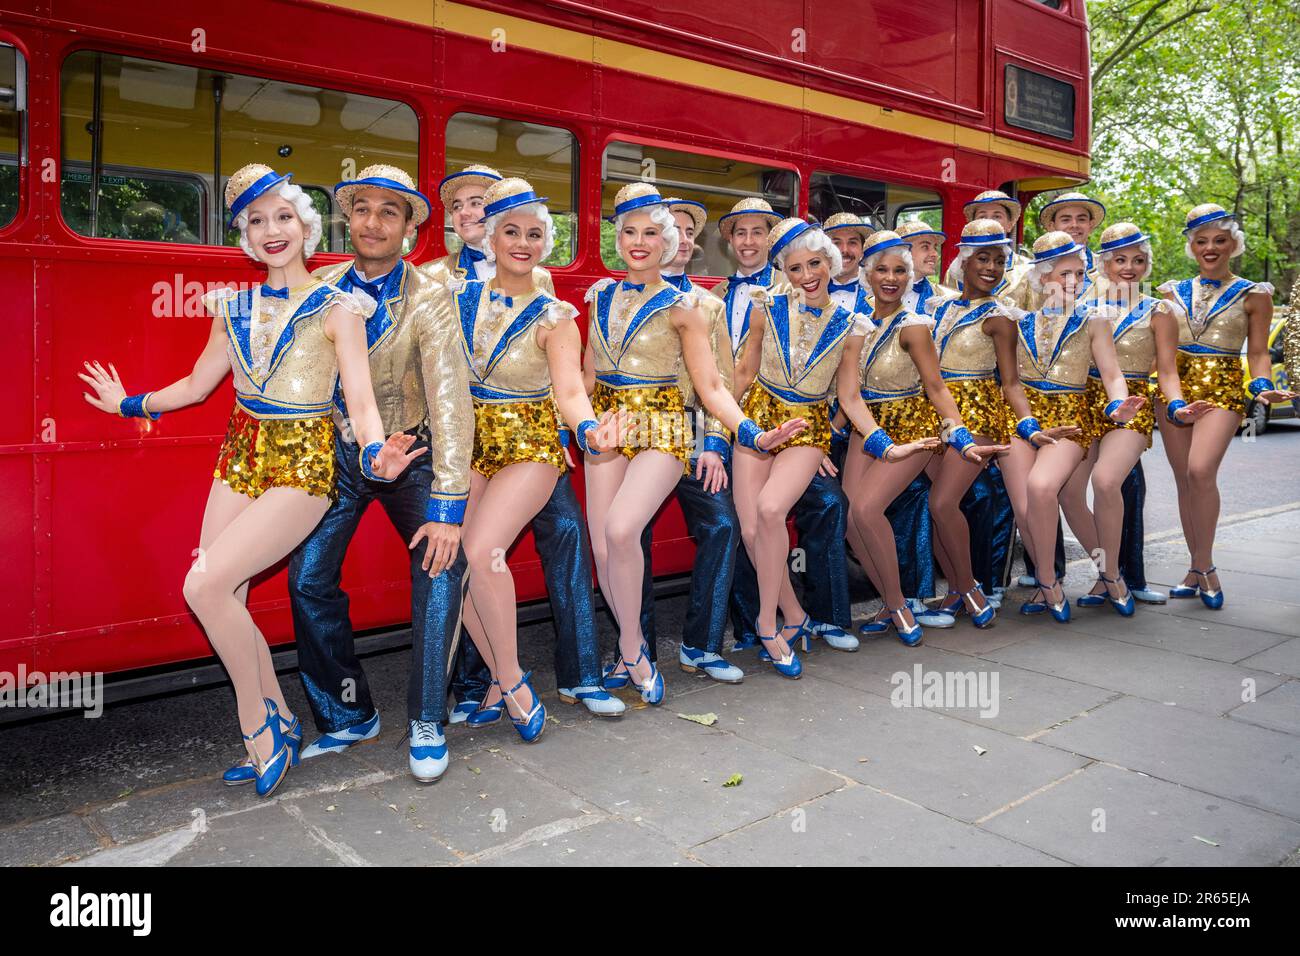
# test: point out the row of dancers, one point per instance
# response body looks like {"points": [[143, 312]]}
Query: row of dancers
{"points": [[824, 376]]}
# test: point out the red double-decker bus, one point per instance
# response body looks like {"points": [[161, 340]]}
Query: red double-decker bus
{"points": [[118, 124]]}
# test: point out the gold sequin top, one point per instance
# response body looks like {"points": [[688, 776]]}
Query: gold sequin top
{"points": [[499, 340], [1054, 351], [417, 371], [965, 350], [1135, 339], [802, 347], [284, 365], [887, 370], [1213, 319], [633, 339]]}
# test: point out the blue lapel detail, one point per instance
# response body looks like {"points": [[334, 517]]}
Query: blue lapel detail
{"points": [[467, 302], [1229, 295], [1076, 321], [604, 299], [1135, 315], [380, 325], [1027, 336], [779, 312], [521, 324], [239, 329], [1184, 292], [662, 299], [970, 318]]}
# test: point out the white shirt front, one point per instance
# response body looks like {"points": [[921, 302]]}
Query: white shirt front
{"points": [[739, 305]]}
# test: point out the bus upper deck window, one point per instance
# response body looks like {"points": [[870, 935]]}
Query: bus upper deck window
{"points": [[13, 108], [546, 156]]}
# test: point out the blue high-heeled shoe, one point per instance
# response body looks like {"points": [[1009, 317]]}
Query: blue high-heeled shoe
{"points": [[271, 773], [1211, 599], [1126, 607], [1090, 599], [954, 603], [487, 713], [531, 725], [652, 691], [611, 680], [787, 666], [245, 772], [911, 636], [1184, 590], [1060, 612], [1035, 607], [875, 627]]}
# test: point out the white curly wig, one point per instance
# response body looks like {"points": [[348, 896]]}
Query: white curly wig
{"points": [[1039, 270], [1231, 225], [901, 251], [662, 217], [306, 212], [1143, 247], [813, 240], [532, 209]]}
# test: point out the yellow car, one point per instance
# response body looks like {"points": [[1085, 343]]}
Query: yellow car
{"points": [[1257, 412]]}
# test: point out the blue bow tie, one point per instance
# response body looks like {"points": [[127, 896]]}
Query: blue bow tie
{"points": [[1212, 283], [633, 286], [810, 310], [372, 289], [472, 254], [920, 286], [755, 279], [269, 293], [849, 286], [679, 282], [501, 297]]}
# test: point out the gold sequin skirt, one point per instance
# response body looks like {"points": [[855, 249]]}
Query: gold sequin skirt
{"points": [[263, 453], [1054, 409], [907, 419], [769, 412], [1143, 422], [1212, 378], [983, 408], [657, 419], [509, 432]]}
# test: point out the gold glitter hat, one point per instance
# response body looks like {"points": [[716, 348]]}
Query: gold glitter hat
{"points": [[848, 221], [696, 210], [480, 175], [1121, 235], [247, 184], [882, 240], [1049, 211], [974, 209], [916, 229], [983, 232], [507, 194], [383, 176], [749, 206], [634, 196], [1055, 245], [1205, 214], [785, 232]]}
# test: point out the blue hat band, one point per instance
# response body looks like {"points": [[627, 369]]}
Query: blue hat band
{"points": [[884, 245], [1120, 243], [382, 182], [750, 212], [467, 172], [1069, 248], [1209, 217], [999, 239], [848, 225], [794, 233], [510, 202], [640, 202], [254, 191], [1077, 202], [925, 232]]}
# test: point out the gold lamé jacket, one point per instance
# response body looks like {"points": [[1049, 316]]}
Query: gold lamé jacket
{"points": [[886, 370], [965, 350], [802, 347], [1213, 319], [1058, 361], [418, 376]]}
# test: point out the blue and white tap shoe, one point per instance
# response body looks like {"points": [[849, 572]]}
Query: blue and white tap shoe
{"points": [[1185, 590], [1126, 607], [245, 772], [1060, 612], [428, 760], [695, 661], [973, 602], [939, 617], [486, 714], [1150, 596], [833, 635], [460, 713], [340, 740], [596, 699]]}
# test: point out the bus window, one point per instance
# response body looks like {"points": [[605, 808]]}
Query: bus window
{"points": [[546, 156], [13, 111], [716, 181], [882, 204], [147, 145]]}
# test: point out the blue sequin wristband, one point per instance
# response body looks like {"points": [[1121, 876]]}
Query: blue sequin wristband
{"points": [[135, 406], [1258, 385], [580, 435], [1112, 407], [1171, 410], [1027, 426], [961, 438], [366, 460], [565, 437], [878, 444], [747, 434]]}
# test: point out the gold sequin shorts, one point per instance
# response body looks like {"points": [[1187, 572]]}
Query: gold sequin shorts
{"points": [[769, 412], [509, 432], [1054, 409], [657, 419], [907, 419], [1143, 422], [1215, 379], [983, 408], [263, 453]]}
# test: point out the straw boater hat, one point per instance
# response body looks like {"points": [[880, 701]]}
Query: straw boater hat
{"points": [[1198, 216], [507, 194], [785, 232], [916, 229], [979, 233], [248, 183], [1055, 245], [883, 240], [483, 176], [975, 208], [634, 196], [847, 221], [1049, 211], [1120, 236], [696, 210], [750, 206], [383, 176]]}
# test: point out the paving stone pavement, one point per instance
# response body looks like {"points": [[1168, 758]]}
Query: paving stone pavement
{"points": [[1169, 739]]}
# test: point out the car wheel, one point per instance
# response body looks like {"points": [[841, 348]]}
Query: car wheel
{"points": [[1256, 417]]}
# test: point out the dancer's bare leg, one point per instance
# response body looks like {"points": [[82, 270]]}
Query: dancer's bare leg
{"points": [[852, 479], [1074, 502], [786, 482], [1119, 451], [1177, 440], [1051, 470], [1015, 464], [950, 479], [883, 482], [1211, 436]]}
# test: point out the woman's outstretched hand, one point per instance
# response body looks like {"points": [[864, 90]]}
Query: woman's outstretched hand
{"points": [[108, 387], [899, 452], [775, 437], [391, 460], [1050, 436], [1128, 408], [982, 453]]}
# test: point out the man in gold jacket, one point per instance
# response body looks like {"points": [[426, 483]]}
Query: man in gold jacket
{"points": [[421, 384]]}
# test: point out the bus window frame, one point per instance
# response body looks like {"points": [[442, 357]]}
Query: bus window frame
{"points": [[621, 136], [236, 66], [23, 157], [907, 207], [495, 111], [888, 178]]}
